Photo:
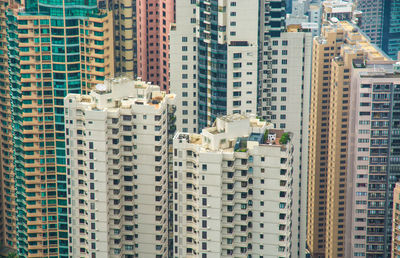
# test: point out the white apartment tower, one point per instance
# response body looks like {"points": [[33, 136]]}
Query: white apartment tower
{"points": [[214, 60], [290, 103], [117, 170], [233, 190]]}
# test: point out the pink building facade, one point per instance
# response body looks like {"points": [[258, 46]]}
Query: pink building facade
{"points": [[154, 18]]}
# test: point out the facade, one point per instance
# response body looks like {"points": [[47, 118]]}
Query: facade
{"points": [[117, 170], [214, 69], [334, 52], [124, 35], [68, 48], [373, 158], [154, 18], [232, 190], [8, 229], [396, 222], [290, 98], [381, 22]]}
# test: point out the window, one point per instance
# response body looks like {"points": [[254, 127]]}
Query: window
{"points": [[204, 167]]}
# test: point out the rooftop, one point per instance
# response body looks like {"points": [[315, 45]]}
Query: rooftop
{"points": [[237, 133]]}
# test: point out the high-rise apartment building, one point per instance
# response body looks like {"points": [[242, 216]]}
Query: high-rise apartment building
{"points": [[214, 60], [7, 184], [396, 222], [373, 157], [124, 35], [233, 190], [117, 170], [381, 22], [153, 22], [289, 101], [334, 51], [54, 48]]}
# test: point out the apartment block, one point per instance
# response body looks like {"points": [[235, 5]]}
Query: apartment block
{"points": [[124, 35], [373, 157], [117, 170], [48, 57], [233, 190], [154, 19], [396, 222], [8, 229], [334, 52], [214, 59], [289, 102]]}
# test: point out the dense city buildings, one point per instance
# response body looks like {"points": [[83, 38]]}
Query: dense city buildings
{"points": [[117, 170], [233, 190], [373, 157], [153, 22], [334, 53], [395, 250], [381, 22], [53, 49]]}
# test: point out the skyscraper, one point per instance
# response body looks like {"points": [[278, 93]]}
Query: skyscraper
{"points": [[373, 157], [233, 191], [214, 58], [381, 22], [396, 222], [153, 22], [280, 55], [334, 51], [54, 48], [7, 184], [117, 170], [290, 80], [124, 35]]}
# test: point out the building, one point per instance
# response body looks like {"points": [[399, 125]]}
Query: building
{"points": [[396, 222], [117, 170], [334, 52], [233, 190], [227, 83], [373, 157], [67, 48], [153, 22], [339, 9], [124, 35], [289, 102], [8, 229], [381, 22]]}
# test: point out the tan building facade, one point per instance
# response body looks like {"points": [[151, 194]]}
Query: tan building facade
{"points": [[396, 222], [334, 52]]}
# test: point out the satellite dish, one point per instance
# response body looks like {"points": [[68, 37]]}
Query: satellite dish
{"points": [[101, 87]]}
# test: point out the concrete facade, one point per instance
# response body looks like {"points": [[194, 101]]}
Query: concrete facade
{"points": [[153, 23], [233, 190], [117, 170], [334, 52]]}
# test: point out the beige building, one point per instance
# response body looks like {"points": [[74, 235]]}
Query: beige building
{"points": [[117, 170], [335, 50], [396, 222], [125, 42], [233, 190], [7, 197]]}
